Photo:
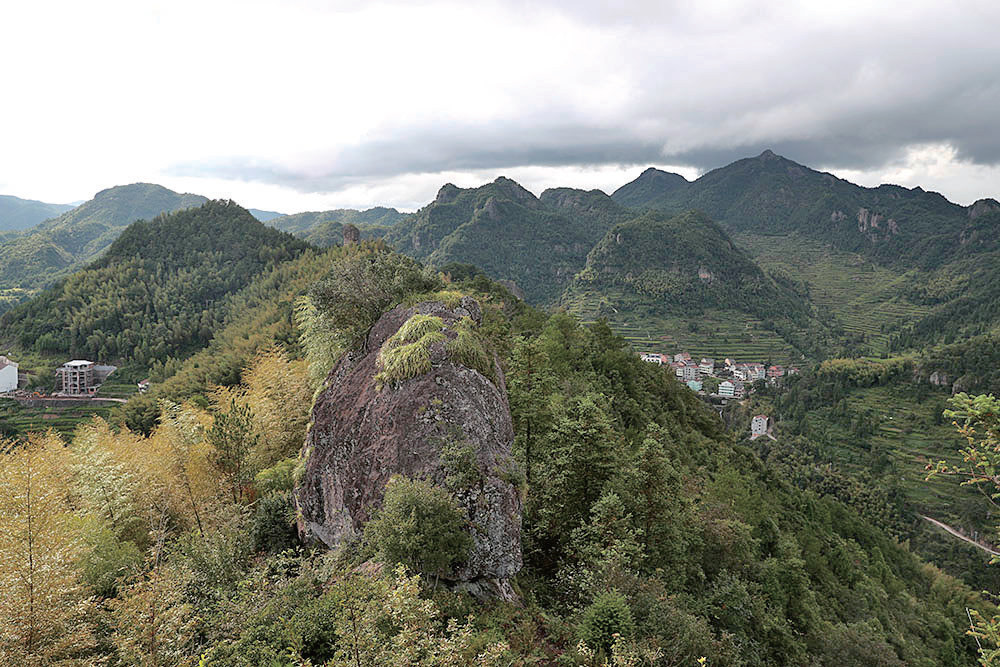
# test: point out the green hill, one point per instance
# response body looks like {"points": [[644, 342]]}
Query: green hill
{"points": [[641, 517], [39, 256], [161, 290], [935, 260], [540, 244], [18, 214], [770, 194], [663, 270]]}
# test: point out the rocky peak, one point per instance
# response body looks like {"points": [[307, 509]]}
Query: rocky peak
{"points": [[513, 190], [982, 207], [375, 420], [447, 193]]}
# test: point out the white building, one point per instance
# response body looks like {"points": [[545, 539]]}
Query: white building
{"points": [[8, 375], [690, 372], [726, 389], [652, 358], [758, 426], [707, 366]]}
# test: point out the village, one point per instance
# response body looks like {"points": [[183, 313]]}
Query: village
{"points": [[728, 380]]}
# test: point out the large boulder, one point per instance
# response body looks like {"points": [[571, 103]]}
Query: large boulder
{"points": [[423, 392]]}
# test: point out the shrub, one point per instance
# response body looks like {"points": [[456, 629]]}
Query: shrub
{"points": [[421, 526], [607, 616]]}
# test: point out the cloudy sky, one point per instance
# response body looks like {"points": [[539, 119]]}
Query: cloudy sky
{"points": [[305, 104]]}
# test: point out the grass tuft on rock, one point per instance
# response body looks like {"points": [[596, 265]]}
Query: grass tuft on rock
{"points": [[406, 354], [469, 349]]}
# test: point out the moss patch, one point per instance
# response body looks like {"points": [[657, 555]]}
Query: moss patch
{"points": [[406, 354]]}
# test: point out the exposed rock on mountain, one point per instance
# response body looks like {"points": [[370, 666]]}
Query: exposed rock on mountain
{"points": [[426, 388]]}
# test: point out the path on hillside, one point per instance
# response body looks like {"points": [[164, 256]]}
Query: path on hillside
{"points": [[960, 535]]}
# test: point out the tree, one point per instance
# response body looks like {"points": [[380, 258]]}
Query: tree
{"points": [[365, 281], [530, 382], [235, 440], [40, 608], [978, 421], [421, 526]]}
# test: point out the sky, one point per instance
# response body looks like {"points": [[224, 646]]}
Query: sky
{"points": [[299, 105]]}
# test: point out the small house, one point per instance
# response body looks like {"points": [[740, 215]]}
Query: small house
{"points": [[694, 385]]}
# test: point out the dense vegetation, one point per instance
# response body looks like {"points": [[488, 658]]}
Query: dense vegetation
{"points": [[509, 233], [162, 289], [650, 535], [939, 254], [39, 256]]}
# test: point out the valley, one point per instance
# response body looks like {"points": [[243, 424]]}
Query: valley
{"points": [[223, 314]]}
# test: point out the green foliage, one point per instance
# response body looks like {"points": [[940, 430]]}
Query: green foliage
{"points": [[49, 251], [509, 233], [162, 289], [234, 439], [277, 478], [607, 618], [420, 526], [406, 353], [365, 281], [469, 349], [273, 526]]}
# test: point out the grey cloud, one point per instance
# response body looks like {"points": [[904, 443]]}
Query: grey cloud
{"points": [[840, 96]]}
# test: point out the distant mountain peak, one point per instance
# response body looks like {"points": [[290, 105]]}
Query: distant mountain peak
{"points": [[513, 189], [768, 154], [447, 193], [982, 207]]}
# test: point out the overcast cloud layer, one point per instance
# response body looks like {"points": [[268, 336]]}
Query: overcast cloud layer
{"points": [[309, 104]]}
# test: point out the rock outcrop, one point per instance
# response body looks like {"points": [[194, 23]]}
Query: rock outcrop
{"points": [[376, 419]]}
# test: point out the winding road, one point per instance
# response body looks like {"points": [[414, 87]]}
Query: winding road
{"points": [[960, 535]]}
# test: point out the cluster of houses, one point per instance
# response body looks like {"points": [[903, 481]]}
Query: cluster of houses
{"points": [[735, 376]]}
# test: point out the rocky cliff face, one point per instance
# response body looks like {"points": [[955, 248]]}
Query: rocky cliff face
{"points": [[378, 418]]}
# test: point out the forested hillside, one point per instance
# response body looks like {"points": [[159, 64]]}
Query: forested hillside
{"points": [[685, 266], [650, 535], [18, 214], [41, 255], [161, 290], [508, 232], [937, 254]]}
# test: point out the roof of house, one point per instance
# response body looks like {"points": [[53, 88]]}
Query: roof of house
{"points": [[760, 417], [76, 363]]}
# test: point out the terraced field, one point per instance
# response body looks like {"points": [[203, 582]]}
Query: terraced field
{"points": [[865, 299], [715, 334], [911, 436], [19, 420]]}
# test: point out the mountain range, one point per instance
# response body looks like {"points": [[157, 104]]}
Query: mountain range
{"points": [[18, 214]]}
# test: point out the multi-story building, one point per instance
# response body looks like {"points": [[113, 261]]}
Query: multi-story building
{"points": [[707, 366], [77, 377], [759, 425]]}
